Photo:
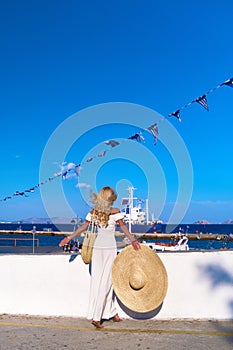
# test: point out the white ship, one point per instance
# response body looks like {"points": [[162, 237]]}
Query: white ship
{"points": [[132, 209], [136, 214]]}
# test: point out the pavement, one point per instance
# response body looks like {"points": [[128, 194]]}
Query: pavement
{"points": [[24, 332]]}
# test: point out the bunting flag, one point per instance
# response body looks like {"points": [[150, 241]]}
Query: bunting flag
{"points": [[228, 82], [135, 137], [175, 114], [154, 130], [64, 174], [17, 193], [8, 197], [203, 102], [56, 175], [102, 154], [71, 167], [112, 143], [30, 190]]}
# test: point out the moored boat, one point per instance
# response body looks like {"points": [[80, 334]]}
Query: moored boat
{"points": [[180, 245]]}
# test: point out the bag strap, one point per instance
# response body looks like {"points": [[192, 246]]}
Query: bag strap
{"points": [[93, 226]]}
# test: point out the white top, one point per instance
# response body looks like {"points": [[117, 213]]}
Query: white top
{"points": [[113, 218], [106, 235]]}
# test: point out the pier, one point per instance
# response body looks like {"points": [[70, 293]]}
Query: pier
{"points": [[190, 236], [154, 236]]}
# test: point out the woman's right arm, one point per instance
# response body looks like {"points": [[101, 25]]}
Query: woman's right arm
{"points": [[77, 232]]}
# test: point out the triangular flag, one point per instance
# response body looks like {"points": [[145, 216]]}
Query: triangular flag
{"points": [[175, 114], [89, 160], [154, 130], [56, 175], [64, 174], [135, 137], [30, 190], [112, 143], [102, 154], [203, 102], [8, 197], [17, 193], [229, 82]]}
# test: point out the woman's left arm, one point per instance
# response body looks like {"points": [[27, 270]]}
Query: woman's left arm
{"points": [[77, 232]]}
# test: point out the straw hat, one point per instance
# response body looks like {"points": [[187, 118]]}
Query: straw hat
{"points": [[139, 279]]}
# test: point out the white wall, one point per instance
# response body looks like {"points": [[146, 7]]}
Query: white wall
{"points": [[200, 285]]}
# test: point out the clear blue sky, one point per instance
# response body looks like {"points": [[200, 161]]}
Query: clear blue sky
{"points": [[59, 57]]}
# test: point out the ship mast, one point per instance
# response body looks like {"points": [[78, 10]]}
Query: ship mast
{"points": [[130, 191], [147, 212]]}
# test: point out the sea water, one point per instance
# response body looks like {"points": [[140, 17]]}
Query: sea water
{"points": [[52, 235]]}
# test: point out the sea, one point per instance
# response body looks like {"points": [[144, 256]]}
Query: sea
{"points": [[48, 236]]}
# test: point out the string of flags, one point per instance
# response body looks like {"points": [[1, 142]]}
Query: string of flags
{"points": [[202, 100], [74, 169]]}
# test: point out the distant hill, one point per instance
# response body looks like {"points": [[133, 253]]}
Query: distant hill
{"points": [[205, 222], [55, 220], [229, 221], [202, 222]]}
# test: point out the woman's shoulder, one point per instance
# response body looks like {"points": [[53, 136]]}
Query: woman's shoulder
{"points": [[115, 211]]}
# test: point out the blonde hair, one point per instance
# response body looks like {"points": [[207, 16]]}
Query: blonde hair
{"points": [[103, 202]]}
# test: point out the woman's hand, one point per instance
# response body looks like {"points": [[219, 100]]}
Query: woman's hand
{"points": [[136, 245], [64, 241]]}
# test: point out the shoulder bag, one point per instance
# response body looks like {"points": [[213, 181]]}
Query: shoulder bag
{"points": [[88, 243]]}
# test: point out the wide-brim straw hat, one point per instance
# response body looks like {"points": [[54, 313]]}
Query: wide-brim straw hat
{"points": [[139, 279]]}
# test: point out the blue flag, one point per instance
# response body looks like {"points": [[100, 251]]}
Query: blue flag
{"points": [[135, 137], [229, 82], [175, 114], [112, 143]]}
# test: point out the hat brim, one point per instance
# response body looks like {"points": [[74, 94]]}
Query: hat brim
{"points": [[152, 294]]}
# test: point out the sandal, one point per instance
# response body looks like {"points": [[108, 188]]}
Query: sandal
{"points": [[97, 324], [117, 318]]}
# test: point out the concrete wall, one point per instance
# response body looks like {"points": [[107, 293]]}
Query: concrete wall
{"points": [[200, 285]]}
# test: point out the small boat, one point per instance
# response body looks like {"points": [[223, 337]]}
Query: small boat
{"points": [[180, 245]]}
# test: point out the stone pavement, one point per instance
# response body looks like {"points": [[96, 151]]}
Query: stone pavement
{"points": [[50, 333]]}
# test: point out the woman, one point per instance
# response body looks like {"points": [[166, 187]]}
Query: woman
{"points": [[102, 303]]}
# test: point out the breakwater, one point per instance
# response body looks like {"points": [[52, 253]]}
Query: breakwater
{"points": [[155, 236], [191, 237]]}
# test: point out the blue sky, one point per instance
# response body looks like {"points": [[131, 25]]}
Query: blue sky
{"points": [[62, 57]]}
